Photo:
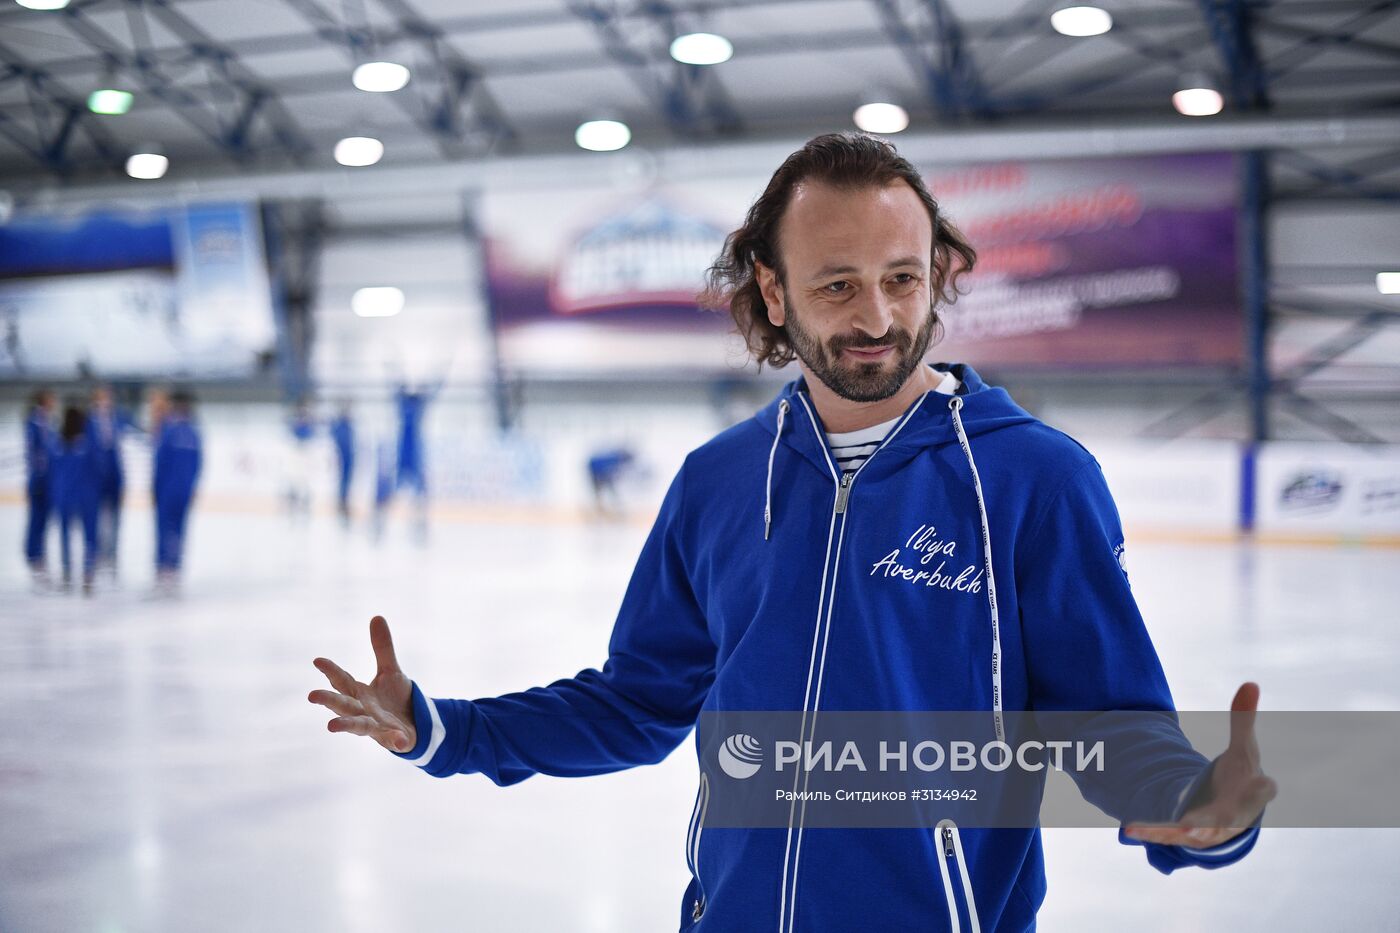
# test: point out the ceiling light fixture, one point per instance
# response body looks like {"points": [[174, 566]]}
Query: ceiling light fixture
{"points": [[701, 48], [380, 77], [147, 163], [881, 118], [1198, 96], [378, 301], [1388, 283], [42, 4], [359, 151], [602, 135], [1081, 21], [110, 101]]}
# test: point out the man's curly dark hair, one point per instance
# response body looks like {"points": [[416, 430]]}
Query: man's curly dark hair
{"points": [[843, 160]]}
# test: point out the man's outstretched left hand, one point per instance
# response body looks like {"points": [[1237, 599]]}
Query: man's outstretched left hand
{"points": [[1239, 790]]}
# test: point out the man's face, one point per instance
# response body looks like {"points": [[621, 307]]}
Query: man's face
{"points": [[855, 299]]}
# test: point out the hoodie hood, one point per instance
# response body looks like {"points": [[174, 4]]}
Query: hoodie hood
{"points": [[927, 422]]}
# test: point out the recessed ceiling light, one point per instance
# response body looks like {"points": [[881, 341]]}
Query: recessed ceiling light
{"points": [[1198, 96], [881, 118], [358, 151], [147, 165], [43, 4], [380, 76], [109, 101], [1080, 21], [701, 48], [378, 301], [602, 135], [1388, 283]]}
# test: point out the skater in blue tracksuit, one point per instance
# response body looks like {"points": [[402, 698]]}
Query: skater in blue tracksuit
{"points": [[178, 457], [106, 424], [74, 487], [343, 436], [303, 428], [39, 443], [605, 468], [887, 536], [411, 469]]}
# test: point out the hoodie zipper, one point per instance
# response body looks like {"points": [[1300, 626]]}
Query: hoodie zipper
{"points": [[692, 844], [954, 860], [843, 492], [787, 916]]}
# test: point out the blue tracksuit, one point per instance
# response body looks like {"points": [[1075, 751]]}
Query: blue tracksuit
{"points": [[39, 442], [606, 465], [761, 587], [411, 467], [104, 430], [343, 434], [177, 462], [74, 485]]}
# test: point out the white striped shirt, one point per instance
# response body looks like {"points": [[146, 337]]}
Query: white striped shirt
{"points": [[852, 448]]}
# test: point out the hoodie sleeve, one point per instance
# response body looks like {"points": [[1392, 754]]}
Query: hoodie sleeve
{"points": [[634, 711], [1088, 649]]}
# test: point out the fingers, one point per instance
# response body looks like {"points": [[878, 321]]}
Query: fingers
{"points": [[393, 739], [1194, 837], [337, 702], [383, 644], [1242, 714], [1215, 824], [1258, 792], [357, 725], [338, 678]]}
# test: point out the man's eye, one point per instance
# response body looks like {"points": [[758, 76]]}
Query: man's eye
{"points": [[904, 278], [837, 288]]}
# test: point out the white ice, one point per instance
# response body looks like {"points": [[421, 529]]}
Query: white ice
{"points": [[162, 770]]}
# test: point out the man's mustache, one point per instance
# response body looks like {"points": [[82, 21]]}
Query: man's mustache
{"points": [[900, 340]]}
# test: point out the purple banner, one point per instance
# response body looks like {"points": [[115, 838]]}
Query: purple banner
{"points": [[1087, 263]]}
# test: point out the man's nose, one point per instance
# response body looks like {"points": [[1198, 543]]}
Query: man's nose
{"points": [[873, 313]]}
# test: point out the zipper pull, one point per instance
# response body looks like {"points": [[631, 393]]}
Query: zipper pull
{"points": [[696, 910], [843, 492], [947, 842]]}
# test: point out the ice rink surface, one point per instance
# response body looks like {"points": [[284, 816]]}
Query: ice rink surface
{"points": [[162, 770]]}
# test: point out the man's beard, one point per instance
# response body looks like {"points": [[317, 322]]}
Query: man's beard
{"points": [[860, 382]]}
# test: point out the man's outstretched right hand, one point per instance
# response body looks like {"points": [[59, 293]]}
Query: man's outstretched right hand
{"points": [[382, 708]]}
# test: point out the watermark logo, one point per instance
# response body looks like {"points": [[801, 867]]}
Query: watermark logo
{"points": [[741, 756]]}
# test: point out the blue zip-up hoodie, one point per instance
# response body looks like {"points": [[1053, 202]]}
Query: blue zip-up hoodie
{"points": [[765, 585]]}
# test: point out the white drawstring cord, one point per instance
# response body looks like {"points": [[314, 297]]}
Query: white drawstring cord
{"points": [[768, 489], [955, 405]]}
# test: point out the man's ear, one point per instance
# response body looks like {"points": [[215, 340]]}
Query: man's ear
{"points": [[772, 291]]}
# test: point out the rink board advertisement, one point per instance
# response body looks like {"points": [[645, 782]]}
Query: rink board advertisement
{"points": [[158, 294], [1336, 489], [1082, 263]]}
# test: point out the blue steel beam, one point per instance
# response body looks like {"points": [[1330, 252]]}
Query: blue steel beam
{"points": [[1120, 68], [447, 99], [1356, 179], [1349, 40], [233, 136], [689, 98], [461, 108], [54, 117], [1314, 44], [931, 40], [1231, 29]]}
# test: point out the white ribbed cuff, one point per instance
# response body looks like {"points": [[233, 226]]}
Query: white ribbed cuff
{"points": [[435, 740]]}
